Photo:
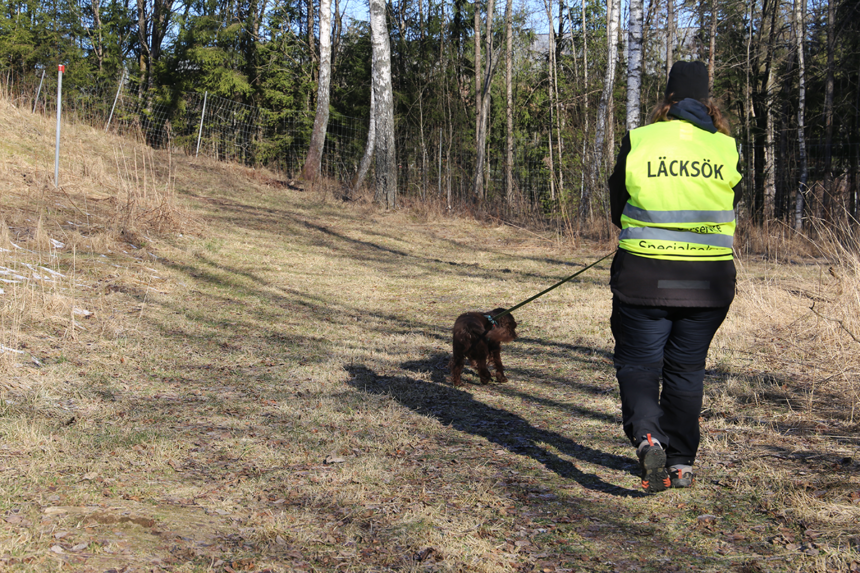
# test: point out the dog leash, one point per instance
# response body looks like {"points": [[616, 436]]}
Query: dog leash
{"points": [[492, 319]]}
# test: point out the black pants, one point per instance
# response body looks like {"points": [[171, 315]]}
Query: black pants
{"points": [[671, 342]]}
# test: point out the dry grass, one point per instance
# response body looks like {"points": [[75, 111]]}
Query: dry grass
{"points": [[221, 370]]}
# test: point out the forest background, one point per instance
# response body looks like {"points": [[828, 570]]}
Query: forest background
{"points": [[489, 113]]}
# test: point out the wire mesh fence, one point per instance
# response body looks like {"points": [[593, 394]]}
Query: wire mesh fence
{"points": [[430, 163], [202, 124]]}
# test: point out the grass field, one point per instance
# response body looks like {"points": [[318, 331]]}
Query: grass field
{"points": [[209, 368]]}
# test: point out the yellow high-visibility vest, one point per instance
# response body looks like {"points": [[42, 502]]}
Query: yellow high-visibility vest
{"points": [[680, 179]]}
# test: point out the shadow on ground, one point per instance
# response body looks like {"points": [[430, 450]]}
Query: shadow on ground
{"points": [[459, 409]]}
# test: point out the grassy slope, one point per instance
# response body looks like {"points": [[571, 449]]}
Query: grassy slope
{"points": [[261, 385]]}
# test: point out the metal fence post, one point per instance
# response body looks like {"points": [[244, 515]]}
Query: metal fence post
{"points": [[38, 91], [118, 91], [200, 130], [61, 68]]}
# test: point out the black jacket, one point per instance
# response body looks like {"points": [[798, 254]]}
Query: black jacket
{"points": [[656, 282]]}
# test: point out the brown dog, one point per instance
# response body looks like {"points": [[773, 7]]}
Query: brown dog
{"points": [[478, 339]]}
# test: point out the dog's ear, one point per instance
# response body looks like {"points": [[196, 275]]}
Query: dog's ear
{"points": [[507, 321], [505, 331]]}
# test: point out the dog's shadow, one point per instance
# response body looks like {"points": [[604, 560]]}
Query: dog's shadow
{"points": [[457, 408]]}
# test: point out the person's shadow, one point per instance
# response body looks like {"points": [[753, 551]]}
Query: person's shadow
{"points": [[457, 408]]}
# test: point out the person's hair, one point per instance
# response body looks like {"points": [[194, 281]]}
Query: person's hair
{"points": [[661, 113]]}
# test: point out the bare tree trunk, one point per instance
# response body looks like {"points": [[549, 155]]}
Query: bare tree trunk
{"points": [[98, 40], [311, 170], [479, 85], [484, 110], [371, 139], [162, 12], [443, 56], [424, 167], [143, 41], [336, 32], [769, 207], [605, 105], [800, 32], [670, 35], [712, 47], [612, 14], [770, 151], [311, 41], [584, 185], [386, 159], [509, 103], [152, 27], [650, 18], [551, 94], [634, 64], [584, 52], [573, 46], [251, 43], [749, 151], [828, 114], [559, 116]]}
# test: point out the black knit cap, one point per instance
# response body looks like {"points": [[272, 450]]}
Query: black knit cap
{"points": [[688, 80]]}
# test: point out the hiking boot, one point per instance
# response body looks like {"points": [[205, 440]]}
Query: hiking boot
{"points": [[652, 462], [681, 476]]}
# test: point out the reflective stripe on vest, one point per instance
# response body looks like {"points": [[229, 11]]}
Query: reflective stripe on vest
{"points": [[678, 216], [654, 234], [680, 179]]}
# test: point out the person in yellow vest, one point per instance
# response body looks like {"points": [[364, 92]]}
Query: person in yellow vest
{"points": [[673, 194]]}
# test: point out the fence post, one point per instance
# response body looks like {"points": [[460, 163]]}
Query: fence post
{"points": [[38, 91], [118, 91], [200, 130], [60, 69]]}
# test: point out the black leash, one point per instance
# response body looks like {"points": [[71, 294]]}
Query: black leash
{"points": [[492, 319]]}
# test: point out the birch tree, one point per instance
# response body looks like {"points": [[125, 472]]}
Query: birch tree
{"points": [[551, 92], [769, 193], [483, 111], [598, 160], [559, 116], [585, 127], [613, 9], [712, 47], [828, 111], [479, 85], [311, 170], [509, 103], [364, 166], [670, 35], [800, 32], [634, 63], [386, 160]]}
